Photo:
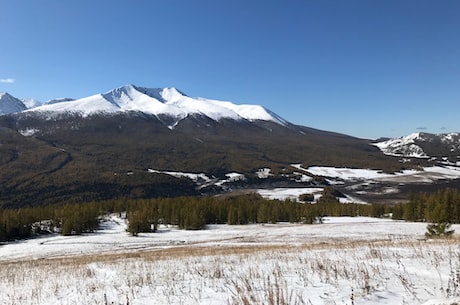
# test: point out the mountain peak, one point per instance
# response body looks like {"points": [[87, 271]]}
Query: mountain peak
{"points": [[402, 146], [172, 93], [30, 103], [5, 95], [10, 104], [159, 101]]}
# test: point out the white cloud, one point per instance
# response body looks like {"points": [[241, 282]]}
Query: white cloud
{"points": [[7, 80]]}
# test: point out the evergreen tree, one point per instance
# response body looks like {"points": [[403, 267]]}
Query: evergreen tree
{"points": [[442, 229], [440, 212]]}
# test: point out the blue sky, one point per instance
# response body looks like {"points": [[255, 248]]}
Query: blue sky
{"points": [[366, 68]]}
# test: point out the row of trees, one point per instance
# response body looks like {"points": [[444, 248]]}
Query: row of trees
{"points": [[190, 213], [66, 219], [194, 213]]}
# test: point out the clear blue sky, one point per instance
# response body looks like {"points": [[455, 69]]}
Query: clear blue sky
{"points": [[366, 68]]}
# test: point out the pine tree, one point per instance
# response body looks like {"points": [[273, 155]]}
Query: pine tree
{"points": [[437, 230], [439, 215]]}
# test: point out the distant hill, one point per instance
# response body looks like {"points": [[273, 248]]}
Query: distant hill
{"points": [[444, 147]]}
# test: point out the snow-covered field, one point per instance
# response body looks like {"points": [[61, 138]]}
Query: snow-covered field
{"points": [[290, 193], [343, 261], [427, 175]]}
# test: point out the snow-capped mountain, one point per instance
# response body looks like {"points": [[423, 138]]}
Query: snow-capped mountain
{"points": [[10, 104], [30, 103], [423, 145], [402, 147], [157, 101]]}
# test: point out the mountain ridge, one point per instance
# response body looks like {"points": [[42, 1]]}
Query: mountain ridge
{"points": [[157, 101], [442, 146]]}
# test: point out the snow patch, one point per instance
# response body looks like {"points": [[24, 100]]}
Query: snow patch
{"points": [[346, 173], [233, 177], [28, 132], [289, 193], [192, 176], [427, 175], [263, 173]]}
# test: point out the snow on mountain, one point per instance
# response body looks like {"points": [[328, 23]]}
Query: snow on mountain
{"points": [[59, 100], [30, 103], [403, 147], [423, 145], [158, 101], [451, 139], [84, 106], [10, 104]]}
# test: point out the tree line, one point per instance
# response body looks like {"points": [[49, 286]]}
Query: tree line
{"points": [[189, 213], [194, 213], [66, 219], [440, 206]]}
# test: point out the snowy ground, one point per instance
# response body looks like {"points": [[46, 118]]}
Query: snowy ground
{"points": [[427, 175], [293, 193], [343, 261], [290, 193]]}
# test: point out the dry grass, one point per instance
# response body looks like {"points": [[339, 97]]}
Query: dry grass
{"points": [[178, 252]]}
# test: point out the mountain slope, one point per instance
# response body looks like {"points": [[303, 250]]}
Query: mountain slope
{"points": [[110, 156], [10, 104]]}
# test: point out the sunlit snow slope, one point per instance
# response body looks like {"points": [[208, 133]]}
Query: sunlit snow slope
{"points": [[403, 146], [159, 101]]}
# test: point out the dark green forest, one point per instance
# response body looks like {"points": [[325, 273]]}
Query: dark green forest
{"points": [[440, 206], [194, 213]]}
